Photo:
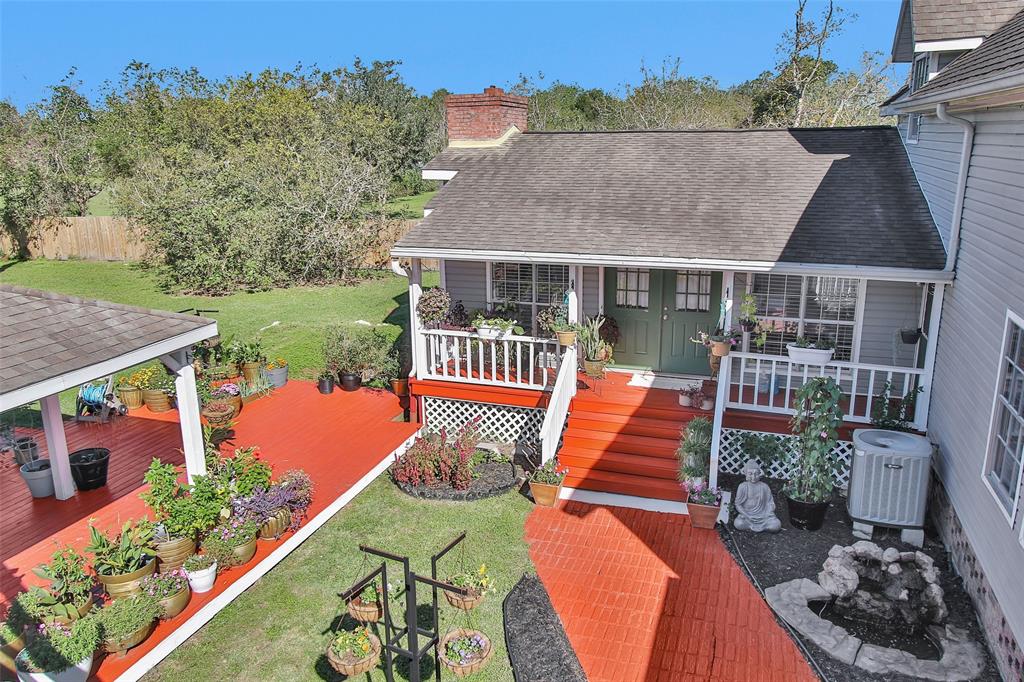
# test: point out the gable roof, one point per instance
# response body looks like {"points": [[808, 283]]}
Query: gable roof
{"points": [[923, 21], [804, 196]]}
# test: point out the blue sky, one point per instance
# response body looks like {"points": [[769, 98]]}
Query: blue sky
{"points": [[463, 46]]}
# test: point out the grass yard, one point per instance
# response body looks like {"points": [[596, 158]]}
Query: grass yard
{"points": [[411, 206], [279, 628]]}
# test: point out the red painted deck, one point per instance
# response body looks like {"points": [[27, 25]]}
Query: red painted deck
{"points": [[646, 597], [337, 439]]}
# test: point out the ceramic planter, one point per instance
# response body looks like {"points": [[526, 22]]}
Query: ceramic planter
{"points": [[809, 356], [126, 584], [685, 400], [89, 467], [245, 552], [702, 515], [251, 371], [400, 387], [365, 612], [487, 332], [325, 386], [175, 604], [172, 554], [464, 603], [119, 646], [721, 348], [545, 494], [202, 580], [459, 669], [277, 377], [707, 404], [351, 666], [38, 477], [276, 525], [77, 673], [566, 338], [806, 515], [156, 401], [130, 396], [351, 381], [8, 652]]}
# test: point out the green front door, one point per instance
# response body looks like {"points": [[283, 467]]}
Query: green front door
{"points": [[658, 312]]}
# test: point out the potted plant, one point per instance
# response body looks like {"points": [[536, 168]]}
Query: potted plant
{"points": [[464, 651], [227, 393], [233, 543], [182, 511], [276, 372], [349, 354], [494, 327], [170, 590], [128, 393], [702, 504], [127, 622], [38, 477], [554, 319], [354, 652], [218, 414], [910, 336], [325, 382], [748, 313], [13, 633], [368, 605], [433, 307], [816, 425], [249, 391], [69, 594], [59, 653], [201, 571], [249, 357], [546, 483], [597, 352], [719, 344], [279, 507], [694, 451], [478, 582], [156, 387], [811, 352], [120, 563], [707, 400]]}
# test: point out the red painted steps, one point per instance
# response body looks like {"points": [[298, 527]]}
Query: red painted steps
{"points": [[626, 484], [626, 424]]}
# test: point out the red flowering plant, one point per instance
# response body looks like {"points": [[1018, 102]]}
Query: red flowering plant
{"points": [[433, 460]]}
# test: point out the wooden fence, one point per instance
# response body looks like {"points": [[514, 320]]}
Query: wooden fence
{"points": [[87, 238]]}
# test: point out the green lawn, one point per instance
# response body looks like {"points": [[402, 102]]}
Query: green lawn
{"points": [[411, 206], [101, 204], [279, 628]]}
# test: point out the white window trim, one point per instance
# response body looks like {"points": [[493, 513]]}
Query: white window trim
{"points": [[1011, 514], [916, 130], [536, 305]]}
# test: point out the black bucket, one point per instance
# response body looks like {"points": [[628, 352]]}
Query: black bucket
{"points": [[89, 467]]}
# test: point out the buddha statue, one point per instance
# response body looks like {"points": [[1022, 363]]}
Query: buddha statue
{"points": [[755, 504]]}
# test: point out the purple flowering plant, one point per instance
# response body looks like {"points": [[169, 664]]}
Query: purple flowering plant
{"points": [[164, 585], [701, 493], [465, 650], [293, 492], [225, 391]]}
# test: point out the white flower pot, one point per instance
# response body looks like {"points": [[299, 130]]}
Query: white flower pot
{"points": [[488, 332], [202, 581], [38, 477], [685, 400], [77, 673], [809, 356]]}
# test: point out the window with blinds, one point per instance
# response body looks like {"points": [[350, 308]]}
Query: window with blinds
{"points": [[527, 287]]}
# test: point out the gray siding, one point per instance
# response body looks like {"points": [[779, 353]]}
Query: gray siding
{"points": [[590, 290], [988, 282], [889, 307], [936, 159], [466, 281]]}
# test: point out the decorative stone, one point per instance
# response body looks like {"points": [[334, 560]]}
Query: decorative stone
{"points": [[789, 600], [755, 503], [867, 550], [891, 555], [838, 577]]}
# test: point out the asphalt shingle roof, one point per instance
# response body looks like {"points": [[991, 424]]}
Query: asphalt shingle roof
{"points": [[819, 196], [45, 334], [1002, 53], [951, 19]]}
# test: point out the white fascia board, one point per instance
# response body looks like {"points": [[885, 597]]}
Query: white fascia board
{"points": [[990, 86], [833, 270], [948, 45], [77, 377], [443, 175]]}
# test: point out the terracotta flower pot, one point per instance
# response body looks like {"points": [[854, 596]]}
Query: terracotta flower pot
{"points": [[721, 348], [175, 604], [276, 525], [349, 665], [131, 396], [127, 584], [114, 646], [245, 552], [251, 371], [8, 652], [172, 554], [462, 669], [464, 603], [702, 515], [400, 387], [365, 612], [566, 338], [156, 401], [545, 494]]}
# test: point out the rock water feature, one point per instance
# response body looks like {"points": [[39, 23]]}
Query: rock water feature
{"points": [[874, 590]]}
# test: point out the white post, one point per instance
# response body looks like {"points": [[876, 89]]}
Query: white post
{"points": [[724, 377], [419, 346], [57, 446], [924, 399], [572, 304], [188, 413]]}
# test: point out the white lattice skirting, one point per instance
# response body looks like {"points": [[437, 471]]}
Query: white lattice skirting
{"points": [[731, 457], [501, 423]]}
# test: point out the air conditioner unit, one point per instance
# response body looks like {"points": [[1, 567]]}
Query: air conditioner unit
{"points": [[889, 483]]}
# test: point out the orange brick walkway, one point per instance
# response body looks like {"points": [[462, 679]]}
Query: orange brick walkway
{"points": [[644, 596]]}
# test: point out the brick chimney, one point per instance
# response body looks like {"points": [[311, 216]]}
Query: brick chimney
{"points": [[479, 120]]}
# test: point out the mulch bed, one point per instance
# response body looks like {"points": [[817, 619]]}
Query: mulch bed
{"points": [[491, 478], [537, 645], [793, 553]]}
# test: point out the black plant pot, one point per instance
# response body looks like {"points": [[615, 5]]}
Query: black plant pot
{"points": [[910, 336], [351, 382], [325, 386], [748, 325], [806, 515], [89, 467]]}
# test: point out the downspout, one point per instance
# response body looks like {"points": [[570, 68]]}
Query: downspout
{"points": [[961, 180]]}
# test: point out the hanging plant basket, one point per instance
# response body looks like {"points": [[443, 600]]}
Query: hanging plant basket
{"points": [[466, 602], [365, 612], [351, 666], [721, 348], [458, 668], [566, 338]]}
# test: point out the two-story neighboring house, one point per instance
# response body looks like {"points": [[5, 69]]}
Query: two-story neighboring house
{"points": [[962, 120]]}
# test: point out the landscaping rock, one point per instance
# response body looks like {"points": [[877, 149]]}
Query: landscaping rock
{"points": [[537, 645]]}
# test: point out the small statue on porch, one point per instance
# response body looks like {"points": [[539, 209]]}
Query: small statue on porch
{"points": [[755, 504]]}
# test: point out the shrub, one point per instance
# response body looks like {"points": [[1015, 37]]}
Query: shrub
{"points": [[182, 510], [122, 618], [763, 447], [358, 352], [434, 459], [433, 306], [893, 415], [56, 647], [816, 423]]}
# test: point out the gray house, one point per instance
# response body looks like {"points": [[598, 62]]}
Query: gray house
{"points": [[962, 119]]}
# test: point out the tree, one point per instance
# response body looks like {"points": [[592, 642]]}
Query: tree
{"points": [[803, 52]]}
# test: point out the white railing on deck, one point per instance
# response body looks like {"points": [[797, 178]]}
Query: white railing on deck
{"points": [[558, 406], [509, 360], [768, 383]]}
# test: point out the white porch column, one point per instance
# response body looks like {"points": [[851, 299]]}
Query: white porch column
{"points": [[57, 446], [419, 347], [188, 413], [574, 303], [724, 377], [924, 399]]}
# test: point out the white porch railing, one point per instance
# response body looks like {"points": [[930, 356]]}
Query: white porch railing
{"points": [[558, 407], [768, 383], [509, 360]]}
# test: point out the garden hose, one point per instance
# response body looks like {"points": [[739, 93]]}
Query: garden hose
{"points": [[94, 395]]}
